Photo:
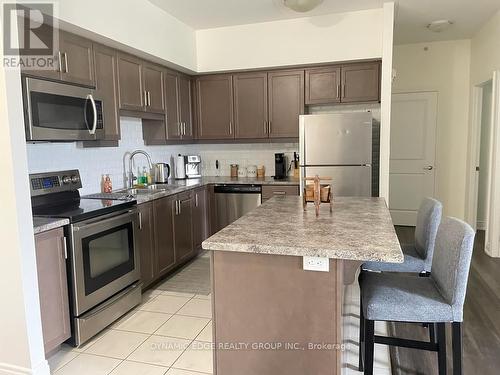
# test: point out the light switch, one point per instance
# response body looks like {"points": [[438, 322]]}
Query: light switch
{"points": [[316, 264]]}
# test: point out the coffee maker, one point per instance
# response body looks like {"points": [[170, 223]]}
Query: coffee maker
{"points": [[193, 166], [279, 166]]}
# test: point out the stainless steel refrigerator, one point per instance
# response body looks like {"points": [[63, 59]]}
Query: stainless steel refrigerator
{"points": [[339, 146]]}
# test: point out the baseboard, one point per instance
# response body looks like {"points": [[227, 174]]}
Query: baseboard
{"points": [[481, 225], [41, 368]]}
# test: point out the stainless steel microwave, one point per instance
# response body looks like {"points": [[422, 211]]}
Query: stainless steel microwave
{"points": [[55, 111]]}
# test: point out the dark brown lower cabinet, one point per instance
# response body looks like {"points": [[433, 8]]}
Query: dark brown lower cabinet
{"points": [[53, 287], [200, 217], [145, 242], [183, 227], [164, 234]]}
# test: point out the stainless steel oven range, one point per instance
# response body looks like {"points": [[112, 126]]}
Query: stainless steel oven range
{"points": [[103, 259]]}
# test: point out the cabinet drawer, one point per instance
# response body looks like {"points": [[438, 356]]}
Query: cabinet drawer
{"points": [[269, 191]]}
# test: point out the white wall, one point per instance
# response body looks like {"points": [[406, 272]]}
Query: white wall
{"points": [[485, 51], [137, 24], [93, 162], [484, 158], [333, 37], [444, 67]]}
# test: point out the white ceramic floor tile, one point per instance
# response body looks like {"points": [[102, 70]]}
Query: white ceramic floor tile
{"points": [[197, 307], [202, 296], [198, 357], [176, 371], [91, 342], [184, 327], [165, 304], [143, 322], [159, 350], [148, 296], [206, 334], [117, 344], [178, 294], [137, 368], [60, 358], [86, 364]]}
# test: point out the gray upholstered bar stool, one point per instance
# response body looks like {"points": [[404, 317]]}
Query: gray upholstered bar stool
{"points": [[436, 299], [417, 256]]}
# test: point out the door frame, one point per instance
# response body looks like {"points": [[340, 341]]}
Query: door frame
{"points": [[492, 225]]}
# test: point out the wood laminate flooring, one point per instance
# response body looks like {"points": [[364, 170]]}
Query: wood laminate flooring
{"points": [[481, 322]]}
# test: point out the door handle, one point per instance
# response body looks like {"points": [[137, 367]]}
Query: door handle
{"points": [[180, 208], [94, 109], [338, 91], [196, 200], [269, 126], [230, 127], [429, 168], [59, 58], [140, 220], [149, 98], [65, 247]]}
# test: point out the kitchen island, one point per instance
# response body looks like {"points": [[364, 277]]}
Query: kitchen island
{"points": [[270, 315]]}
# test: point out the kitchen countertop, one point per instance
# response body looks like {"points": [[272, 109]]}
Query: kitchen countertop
{"points": [[43, 224], [358, 229], [179, 186]]}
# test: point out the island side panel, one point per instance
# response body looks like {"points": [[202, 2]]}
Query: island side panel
{"points": [[262, 299]]}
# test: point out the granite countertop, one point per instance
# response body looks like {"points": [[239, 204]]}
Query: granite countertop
{"points": [[357, 229], [43, 224], [179, 186]]}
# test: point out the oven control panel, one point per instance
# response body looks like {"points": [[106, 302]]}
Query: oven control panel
{"points": [[54, 182]]}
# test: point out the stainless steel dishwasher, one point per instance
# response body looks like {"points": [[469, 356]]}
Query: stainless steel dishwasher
{"points": [[233, 201]]}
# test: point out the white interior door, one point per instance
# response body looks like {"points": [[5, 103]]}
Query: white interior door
{"points": [[412, 162]]}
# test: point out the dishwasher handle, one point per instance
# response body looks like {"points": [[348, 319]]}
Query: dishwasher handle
{"points": [[237, 188]]}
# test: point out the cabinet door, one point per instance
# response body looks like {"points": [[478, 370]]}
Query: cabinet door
{"points": [[286, 103], [215, 107], [106, 80], [323, 85], [53, 287], [183, 228], [172, 105], [250, 105], [164, 236], [153, 86], [185, 106], [44, 32], [200, 217], [361, 82], [130, 86], [77, 59], [145, 241]]}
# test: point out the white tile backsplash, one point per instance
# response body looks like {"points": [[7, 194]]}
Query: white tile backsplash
{"points": [[93, 162]]}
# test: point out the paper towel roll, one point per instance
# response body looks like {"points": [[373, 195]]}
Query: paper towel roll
{"points": [[180, 168]]}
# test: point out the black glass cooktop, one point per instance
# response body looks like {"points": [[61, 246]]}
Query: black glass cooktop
{"points": [[79, 209]]}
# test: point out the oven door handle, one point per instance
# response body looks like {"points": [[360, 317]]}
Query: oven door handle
{"points": [[94, 109], [102, 221]]}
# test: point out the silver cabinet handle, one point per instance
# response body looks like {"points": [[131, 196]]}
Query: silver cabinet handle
{"points": [[176, 207], [265, 127], [180, 208], [338, 91], [66, 68], [59, 58], [279, 192], [145, 98], [230, 127], [149, 98], [269, 125], [429, 168], [140, 220], [196, 200], [183, 128], [344, 86], [179, 129], [65, 247]]}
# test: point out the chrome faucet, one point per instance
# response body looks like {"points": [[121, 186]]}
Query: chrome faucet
{"points": [[131, 177]]}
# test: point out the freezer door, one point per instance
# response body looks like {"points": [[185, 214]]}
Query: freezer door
{"points": [[352, 181], [336, 139]]}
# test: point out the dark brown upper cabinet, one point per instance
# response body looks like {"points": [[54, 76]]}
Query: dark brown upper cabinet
{"points": [[214, 96], [45, 34], [130, 83], [172, 106], [185, 106], [106, 81], [361, 82], [73, 62], [153, 88], [250, 105], [323, 85], [286, 102], [78, 59]]}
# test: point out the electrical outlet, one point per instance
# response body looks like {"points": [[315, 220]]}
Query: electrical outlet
{"points": [[316, 264]]}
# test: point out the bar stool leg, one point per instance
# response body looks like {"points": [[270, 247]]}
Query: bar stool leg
{"points": [[361, 335], [369, 346], [441, 341], [456, 328]]}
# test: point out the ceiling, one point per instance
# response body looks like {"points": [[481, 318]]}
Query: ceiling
{"points": [[411, 21]]}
